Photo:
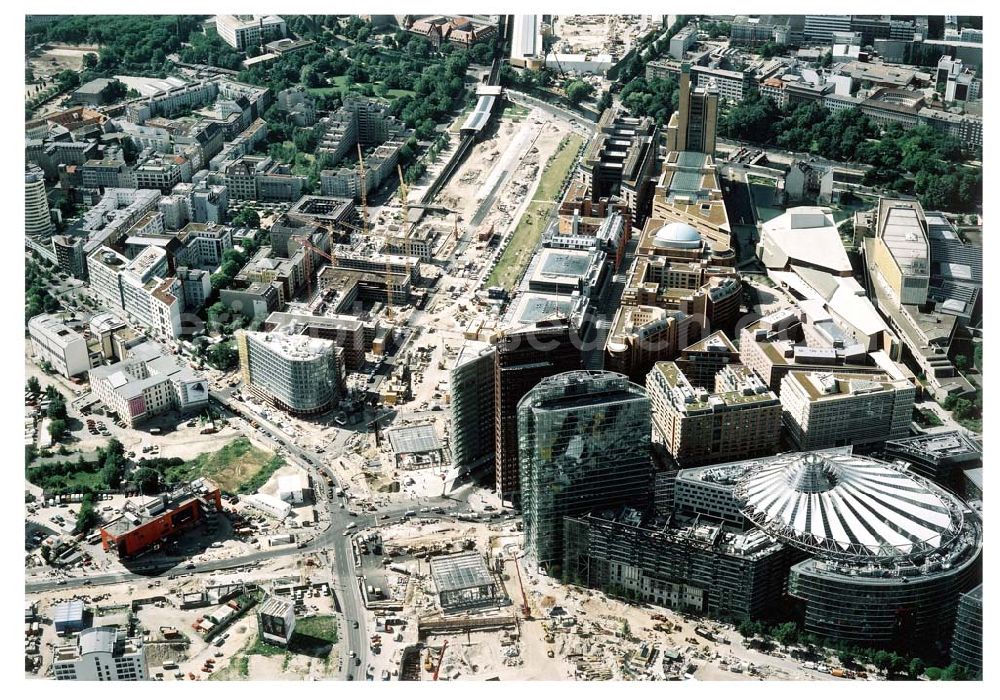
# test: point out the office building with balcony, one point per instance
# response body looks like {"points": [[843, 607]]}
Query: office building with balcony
{"points": [[740, 419], [826, 409], [584, 443]]}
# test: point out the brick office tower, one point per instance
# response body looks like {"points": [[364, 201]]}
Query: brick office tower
{"points": [[525, 357]]}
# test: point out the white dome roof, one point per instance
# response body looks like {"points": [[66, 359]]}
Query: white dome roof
{"points": [[848, 506], [677, 235]]}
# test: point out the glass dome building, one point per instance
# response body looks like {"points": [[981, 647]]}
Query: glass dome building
{"points": [[891, 551]]}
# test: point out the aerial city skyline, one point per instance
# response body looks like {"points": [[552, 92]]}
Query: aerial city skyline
{"points": [[503, 347]]}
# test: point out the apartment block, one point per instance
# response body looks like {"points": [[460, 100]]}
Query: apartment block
{"points": [[101, 654], [824, 409], [148, 382], [742, 419]]}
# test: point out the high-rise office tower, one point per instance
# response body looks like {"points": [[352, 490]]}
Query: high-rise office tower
{"points": [[693, 126], [584, 440], [525, 357], [37, 219], [473, 407]]}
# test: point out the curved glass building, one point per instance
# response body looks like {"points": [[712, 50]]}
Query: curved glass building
{"points": [[891, 551]]}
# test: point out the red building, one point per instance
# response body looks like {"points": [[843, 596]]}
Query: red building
{"points": [[151, 523]]}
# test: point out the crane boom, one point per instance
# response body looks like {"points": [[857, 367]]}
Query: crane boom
{"points": [[525, 610], [437, 668]]}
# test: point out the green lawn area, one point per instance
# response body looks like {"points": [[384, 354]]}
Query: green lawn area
{"points": [[927, 418], [536, 216], [237, 467], [313, 636], [340, 83], [514, 112]]}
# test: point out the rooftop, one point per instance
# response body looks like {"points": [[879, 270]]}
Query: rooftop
{"points": [[848, 507], [455, 572], [902, 228], [414, 439]]}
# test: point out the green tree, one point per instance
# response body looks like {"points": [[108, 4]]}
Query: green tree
{"points": [[785, 633], [56, 429], [916, 667], [33, 386], [87, 518], [57, 408], [247, 218], [148, 481], [222, 355], [577, 91], [962, 362]]}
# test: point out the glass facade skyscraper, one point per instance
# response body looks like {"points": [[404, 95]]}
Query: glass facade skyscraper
{"points": [[584, 445]]}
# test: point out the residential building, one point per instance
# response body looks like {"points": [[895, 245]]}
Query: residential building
{"points": [[825, 409], [693, 126], [584, 446], [243, 31], [62, 347], [620, 161], [525, 356], [37, 218], [296, 373], [473, 407], [148, 382], [740, 418], [809, 181], [101, 654], [702, 361], [196, 287], [69, 255], [702, 567]]}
